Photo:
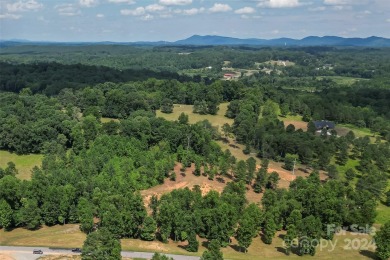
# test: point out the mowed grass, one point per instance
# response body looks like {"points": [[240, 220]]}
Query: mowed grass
{"points": [[216, 120], [351, 164], [383, 214], [295, 120], [24, 163], [108, 119], [348, 81], [69, 236], [358, 131], [59, 236]]}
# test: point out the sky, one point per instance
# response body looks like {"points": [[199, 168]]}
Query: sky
{"points": [[170, 20]]}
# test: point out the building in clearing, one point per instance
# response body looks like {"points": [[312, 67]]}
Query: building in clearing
{"points": [[228, 76], [324, 124]]}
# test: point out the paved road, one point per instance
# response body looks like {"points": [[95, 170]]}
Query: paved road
{"points": [[25, 253]]}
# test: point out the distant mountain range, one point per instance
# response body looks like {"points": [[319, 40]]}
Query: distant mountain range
{"points": [[308, 41], [222, 40]]}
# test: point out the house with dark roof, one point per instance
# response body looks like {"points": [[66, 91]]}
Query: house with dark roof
{"points": [[324, 124]]}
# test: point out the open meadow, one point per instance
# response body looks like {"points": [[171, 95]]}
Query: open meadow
{"points": [[216, 120], [24, 163]]}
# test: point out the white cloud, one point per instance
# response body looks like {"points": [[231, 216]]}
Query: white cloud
{"points": [[342, 7], [147, 17], [192, 11], [136, 12], [337, 2], [10, 16], [20, 6], [218, 8], [100, 15], [279, 3], [129, 2], [245, 10], [67, 10], [155, 8], [317, 9], [88, 3], [175, 2]]}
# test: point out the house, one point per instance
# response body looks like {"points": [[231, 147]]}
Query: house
{"points": [[324, 124], [229, 76]]}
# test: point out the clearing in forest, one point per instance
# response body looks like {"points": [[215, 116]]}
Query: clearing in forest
{"points": [[216, 120], [24, 163]]}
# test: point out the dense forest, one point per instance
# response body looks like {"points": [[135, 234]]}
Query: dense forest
{"points": [[52, 103]]}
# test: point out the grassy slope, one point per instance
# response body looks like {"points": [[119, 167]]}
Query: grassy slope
{"points": [[346, 81], [24, 163], [383, 214], [216, 120], [68, 236]]}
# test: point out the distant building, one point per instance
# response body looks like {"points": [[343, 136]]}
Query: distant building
{"points": [[230, 75], [324, 124]]}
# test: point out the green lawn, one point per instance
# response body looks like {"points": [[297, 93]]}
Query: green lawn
{"points": [[24, 163], [350, 164], [348, 81], [383, 214], [216, 120], [108, 119]]}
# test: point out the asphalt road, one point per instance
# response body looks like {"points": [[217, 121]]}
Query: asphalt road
{"points": [[26, 253]]}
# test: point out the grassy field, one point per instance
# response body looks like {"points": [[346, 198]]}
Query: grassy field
{"points": [[383, 214], [66, 236], [348, 81], [216, 120], [24, 163], [294, 120], [107, 119], [69, 236], [343, 168]]}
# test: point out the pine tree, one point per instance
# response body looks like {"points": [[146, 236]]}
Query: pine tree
{"points": [[213, 252], [261, 180], [101, 244], [148, 230], [193, 243], [382, 241], [269, 230]]}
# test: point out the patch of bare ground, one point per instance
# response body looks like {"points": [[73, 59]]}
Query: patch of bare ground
{"points": [[6, 256], [187, 179], [298, 124]]}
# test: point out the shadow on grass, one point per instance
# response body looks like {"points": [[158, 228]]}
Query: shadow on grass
{"points": [[368, 254], [237, 248], [206, 244], [282, 250]]}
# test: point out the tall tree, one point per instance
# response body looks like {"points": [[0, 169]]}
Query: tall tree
{"points": [[382, 241], [148, 230], [213, 252], [6, 218], [101, 245]]}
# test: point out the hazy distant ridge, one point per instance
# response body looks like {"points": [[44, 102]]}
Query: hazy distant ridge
{"points": [[223, 40], [308, 41]]}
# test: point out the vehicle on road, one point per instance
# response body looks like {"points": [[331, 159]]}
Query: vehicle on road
{"points": [[76, 250], [37, 251]]}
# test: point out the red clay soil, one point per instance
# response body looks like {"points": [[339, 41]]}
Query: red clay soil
{"points": [[188, 179]]}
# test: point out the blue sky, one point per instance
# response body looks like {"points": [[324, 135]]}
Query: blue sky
{"points": [[151, 20]]}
